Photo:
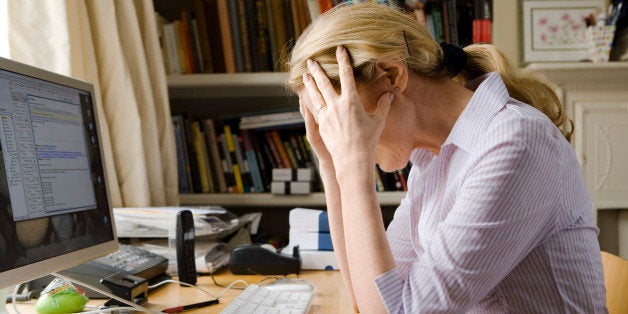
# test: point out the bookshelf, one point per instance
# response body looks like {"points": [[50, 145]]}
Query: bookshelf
{"points": [[235, 94]]}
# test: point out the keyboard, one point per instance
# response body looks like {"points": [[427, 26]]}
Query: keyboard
{"points": [[256, 299]]}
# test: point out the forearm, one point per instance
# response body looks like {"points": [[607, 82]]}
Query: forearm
{"points": [[367, 249], [334, 213]]}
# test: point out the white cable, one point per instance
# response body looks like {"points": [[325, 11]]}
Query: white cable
{"points": [[110, 309], [108, 294], [13, 299]]}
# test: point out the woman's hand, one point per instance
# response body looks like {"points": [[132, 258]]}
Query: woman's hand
{"points": [[348, 132], [313, 135]]}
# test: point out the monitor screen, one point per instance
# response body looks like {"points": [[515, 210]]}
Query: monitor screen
{"points": [[54, 206]]}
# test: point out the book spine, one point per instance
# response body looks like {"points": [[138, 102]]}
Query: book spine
{"points": [[196, 44], [245, 170], [274, 150], [194, 174], [214, 36], [202, 36], [288, 147], [181, 53], [226, 163], [186, 35], [263, 37], [234, 161], [225, 35], [245, 39], [210, 132], [238, 54], [170, 39], [183, 167], [201, 158], [254, 163], [283, 154]]}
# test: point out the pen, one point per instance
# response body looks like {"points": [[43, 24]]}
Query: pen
{"points": [[182, 308]]}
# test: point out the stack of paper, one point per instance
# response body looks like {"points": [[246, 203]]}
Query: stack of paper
{"points": [[309, 229]]}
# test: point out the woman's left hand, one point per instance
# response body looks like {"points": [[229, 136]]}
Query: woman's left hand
{"points": [[348, 131]]}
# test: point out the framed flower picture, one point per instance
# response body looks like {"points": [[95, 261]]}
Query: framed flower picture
{"points": [[554, 31]]}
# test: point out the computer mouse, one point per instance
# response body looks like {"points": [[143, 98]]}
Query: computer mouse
{"points": [[291, 284]]}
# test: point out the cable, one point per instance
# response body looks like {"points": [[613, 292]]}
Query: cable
{"points": [[15, 291], [110, 309], [108, 294]]}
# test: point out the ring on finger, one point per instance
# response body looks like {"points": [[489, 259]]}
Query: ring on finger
{"points": [[318, 111]]}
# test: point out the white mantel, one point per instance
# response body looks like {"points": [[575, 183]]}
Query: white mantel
{"points": [[596, 98]]}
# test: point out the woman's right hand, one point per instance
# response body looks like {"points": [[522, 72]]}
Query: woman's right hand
{"points": [[313, 135]]}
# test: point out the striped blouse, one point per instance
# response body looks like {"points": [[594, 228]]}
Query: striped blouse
{"points": [[499, 221]]}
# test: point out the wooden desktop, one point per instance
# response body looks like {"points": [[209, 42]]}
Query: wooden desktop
{"points": [[330, 296]]}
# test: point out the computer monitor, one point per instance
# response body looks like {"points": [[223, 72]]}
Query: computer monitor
{"points": [[54, 204]]}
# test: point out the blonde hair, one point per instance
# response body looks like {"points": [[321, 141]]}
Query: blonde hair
{"points": [[372, 32]]}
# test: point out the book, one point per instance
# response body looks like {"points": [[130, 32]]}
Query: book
{"points": [[225, 159], [172, 52], [202, 36], [202, 158], [237, 175], [186, 41], [292, 174], [308, 220], [224, 19], [194, 174], [281, 150], [245, 170], [252, 158], [183, 167], [214, 36], [234, 29], [245, 40], [214, 153], [290, 187], [273, 119], [181, 50], [270, 143]]}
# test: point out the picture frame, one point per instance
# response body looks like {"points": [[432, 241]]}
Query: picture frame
{"points": [[554, 30]]}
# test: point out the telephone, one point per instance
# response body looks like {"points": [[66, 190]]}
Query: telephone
{"points": [[129, 259]]}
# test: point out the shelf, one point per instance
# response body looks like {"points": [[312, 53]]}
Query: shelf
{"points": [[228, 85], [584, 74], [270, 200]]}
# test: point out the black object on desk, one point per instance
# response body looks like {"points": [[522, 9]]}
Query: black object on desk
{"points": [[256, 260], [186, 267], [127, 287]]}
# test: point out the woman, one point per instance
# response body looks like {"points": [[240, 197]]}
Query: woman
{"points": [[496, 217]]}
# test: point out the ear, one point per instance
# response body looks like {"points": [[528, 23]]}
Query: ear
{"points": [[395, 72]]}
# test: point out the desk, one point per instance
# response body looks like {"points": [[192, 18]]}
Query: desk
{"points": [[330, 295]]}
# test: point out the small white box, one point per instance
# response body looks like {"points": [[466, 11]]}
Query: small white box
{"points": [[292, 187], [292, 174]]}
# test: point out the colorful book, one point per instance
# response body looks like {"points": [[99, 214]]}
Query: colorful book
{"points": [[281, 149], [245, 170], [202, 158], [252, 159], [237, 174]]}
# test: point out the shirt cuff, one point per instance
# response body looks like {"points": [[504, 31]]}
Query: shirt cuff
{"points": [[390, 286]]}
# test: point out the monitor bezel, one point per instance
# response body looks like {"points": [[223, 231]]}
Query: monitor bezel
{"points": [[44, 267]]}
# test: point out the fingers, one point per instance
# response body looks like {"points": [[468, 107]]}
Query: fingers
{"points": [[317, 102], [383, 105], [322, 81], [347, 81]]}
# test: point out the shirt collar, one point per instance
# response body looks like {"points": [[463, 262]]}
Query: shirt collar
{"points": [[489, 98]]}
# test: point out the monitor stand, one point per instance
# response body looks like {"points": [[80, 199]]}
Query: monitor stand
{"points": [[3, 297]]}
